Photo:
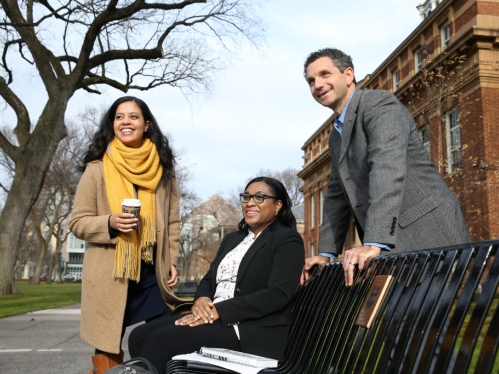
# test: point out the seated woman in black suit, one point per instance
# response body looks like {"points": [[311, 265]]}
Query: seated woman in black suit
{"points": [[244, 301]]}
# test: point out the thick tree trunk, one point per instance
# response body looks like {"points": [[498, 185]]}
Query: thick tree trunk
{"points": [[18, 203], [31, 167]]}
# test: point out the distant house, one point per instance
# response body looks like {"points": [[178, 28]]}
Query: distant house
{"points": [[202, 233], [299, 213]]}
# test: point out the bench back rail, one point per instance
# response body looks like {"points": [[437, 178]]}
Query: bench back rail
{"points": [[439, 315]]}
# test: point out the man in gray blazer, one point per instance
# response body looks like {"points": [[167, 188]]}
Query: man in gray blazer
{"points": [[381, 173]]}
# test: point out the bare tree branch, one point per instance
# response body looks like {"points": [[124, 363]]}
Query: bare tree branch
{"points": [[75, 45], [4, 188]]}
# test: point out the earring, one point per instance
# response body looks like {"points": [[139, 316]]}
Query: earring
{"points": [[275, 214]]}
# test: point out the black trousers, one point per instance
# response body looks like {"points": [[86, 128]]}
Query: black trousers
{"points": [[160, 340]]}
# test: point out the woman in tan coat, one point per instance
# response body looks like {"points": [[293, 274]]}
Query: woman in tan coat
{"points": [[128, 268]]}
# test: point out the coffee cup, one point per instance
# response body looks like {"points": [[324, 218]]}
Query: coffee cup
{"points": [[131, 206]]}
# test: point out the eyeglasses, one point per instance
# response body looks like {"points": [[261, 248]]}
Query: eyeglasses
{"points": [[257, 198]]}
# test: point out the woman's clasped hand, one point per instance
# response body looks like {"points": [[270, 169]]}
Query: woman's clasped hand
{"points": [[203, 312]]}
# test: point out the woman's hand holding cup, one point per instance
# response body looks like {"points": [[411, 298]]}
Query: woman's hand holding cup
{"points": [[128, 219], [123, 222]]}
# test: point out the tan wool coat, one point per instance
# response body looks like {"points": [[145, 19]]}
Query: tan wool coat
{"points": [[103, 297]]}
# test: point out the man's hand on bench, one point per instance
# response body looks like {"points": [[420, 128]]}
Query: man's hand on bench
{"points": [[357, 257], [309, 264]]}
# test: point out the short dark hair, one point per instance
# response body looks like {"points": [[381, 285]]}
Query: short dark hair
{"points": [[105, 133], [285, 215], [340, 59]]}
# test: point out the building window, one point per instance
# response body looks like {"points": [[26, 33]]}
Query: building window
{"points": [[417, 60], [312, 250], [424, 134], [321, 207], [320, 146], [312, 211], [445, 35], [75, 243], [453, 128], [76, 258], [395, 78]]}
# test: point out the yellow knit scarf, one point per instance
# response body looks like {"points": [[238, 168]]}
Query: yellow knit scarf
{"points": [[125, 167]]}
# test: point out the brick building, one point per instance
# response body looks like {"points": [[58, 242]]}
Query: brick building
{"points": [[447, 74]]}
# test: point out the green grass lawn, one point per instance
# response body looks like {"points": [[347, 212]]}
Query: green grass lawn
{"points": [[43, 296], [38, 297]]}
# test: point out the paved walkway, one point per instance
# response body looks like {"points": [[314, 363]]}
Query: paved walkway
{"points": [[46, 342]]}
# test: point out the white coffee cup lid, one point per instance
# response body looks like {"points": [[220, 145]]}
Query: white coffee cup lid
{"points": [[131, 202]]}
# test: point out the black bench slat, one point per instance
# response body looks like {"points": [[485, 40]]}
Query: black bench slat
{"points": [[311, 312], [419, 341], [490, 346], [375, 338], [443, 308], [447, 352], [480, 313], [342, 308], [422, 304], [394, 316], [440, 311]]}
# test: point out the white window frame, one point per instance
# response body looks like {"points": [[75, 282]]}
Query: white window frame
{"points": [[312, 211], [395, 79], [418, 61], [453, 136], [445, 36], [424, 134]]}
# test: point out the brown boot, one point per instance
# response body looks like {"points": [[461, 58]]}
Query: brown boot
{"points": [[104, 361]]}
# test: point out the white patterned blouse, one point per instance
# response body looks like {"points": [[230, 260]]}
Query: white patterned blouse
{"points": [[227, 271]]}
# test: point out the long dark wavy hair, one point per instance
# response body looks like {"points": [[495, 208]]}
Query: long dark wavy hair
{"points": [[285, 215], [105, 134]]}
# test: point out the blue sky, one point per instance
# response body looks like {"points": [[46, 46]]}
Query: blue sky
{"points": [[260, 111]]}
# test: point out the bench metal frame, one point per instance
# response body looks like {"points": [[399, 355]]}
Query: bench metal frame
{"points": [[440, 311]]}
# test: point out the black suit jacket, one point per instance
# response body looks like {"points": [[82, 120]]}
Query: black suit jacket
{"points": [[266, 282]]}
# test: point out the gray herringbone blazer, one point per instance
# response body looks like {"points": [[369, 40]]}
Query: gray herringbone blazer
{"points": [[382, 175]]}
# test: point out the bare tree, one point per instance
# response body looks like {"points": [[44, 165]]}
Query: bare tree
{"points": [[77, 45], [64, 177], [43, 219], [27, 249], [205, 227], [55, 202], [188, 201]]}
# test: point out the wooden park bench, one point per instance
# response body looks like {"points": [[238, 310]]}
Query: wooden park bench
{"points": [[439, 315]]}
